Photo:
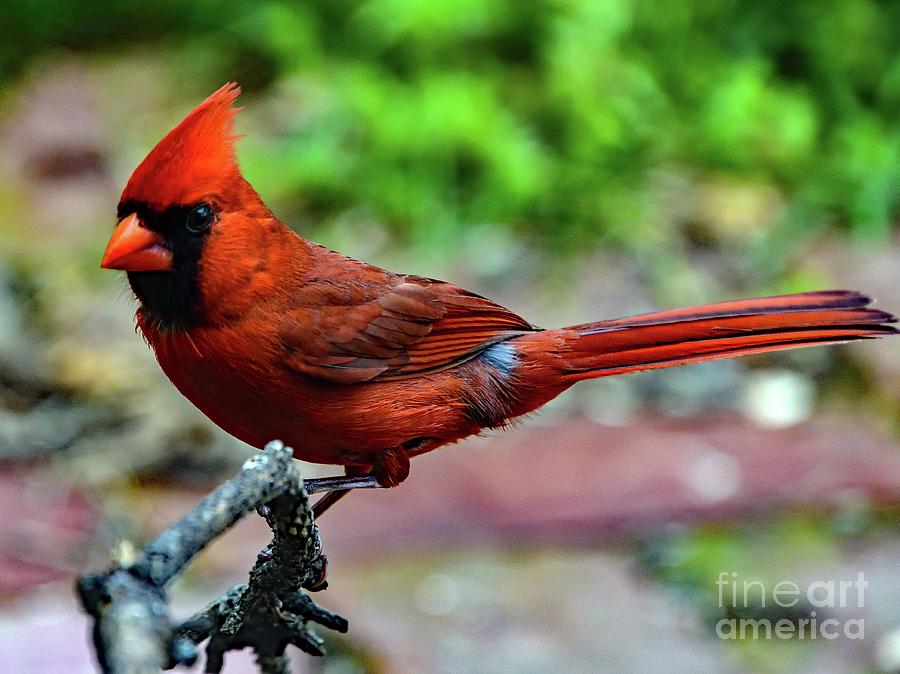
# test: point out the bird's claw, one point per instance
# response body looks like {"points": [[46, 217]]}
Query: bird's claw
{"points": [[317, 578]]}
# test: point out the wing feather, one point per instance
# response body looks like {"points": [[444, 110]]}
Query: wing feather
{"points": [[350, 333]]}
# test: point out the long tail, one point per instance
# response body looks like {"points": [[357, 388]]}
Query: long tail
{"points": [[722, 330]]}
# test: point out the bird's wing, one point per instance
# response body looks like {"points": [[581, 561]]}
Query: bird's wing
{"points": [[349, 332]]}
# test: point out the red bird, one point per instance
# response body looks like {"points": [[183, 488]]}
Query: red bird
{"points": [[273, 336]]}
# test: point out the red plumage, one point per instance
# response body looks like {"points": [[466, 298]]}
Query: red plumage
{"points": [[194, 158], [272, 336]]}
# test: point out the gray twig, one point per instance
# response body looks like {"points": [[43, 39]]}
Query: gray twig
{"points": [[132, 629]]}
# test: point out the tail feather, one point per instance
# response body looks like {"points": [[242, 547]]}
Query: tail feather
{"points": [[723, 330]]}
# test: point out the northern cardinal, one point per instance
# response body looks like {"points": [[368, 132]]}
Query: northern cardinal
{"points": [[273, 336]]}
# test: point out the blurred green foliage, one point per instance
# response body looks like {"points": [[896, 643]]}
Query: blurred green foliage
{"points": [[553, 117]]}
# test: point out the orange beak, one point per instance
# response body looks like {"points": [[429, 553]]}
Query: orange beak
{"points": [[133, 247]]}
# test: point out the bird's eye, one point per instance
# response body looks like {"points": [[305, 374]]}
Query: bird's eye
{"points": [[199, 218]]}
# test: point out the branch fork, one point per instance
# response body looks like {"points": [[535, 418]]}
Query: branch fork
{"points": [[132, 630]]}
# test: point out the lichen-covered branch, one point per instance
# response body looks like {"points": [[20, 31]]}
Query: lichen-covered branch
{"points": [[132, 629]]}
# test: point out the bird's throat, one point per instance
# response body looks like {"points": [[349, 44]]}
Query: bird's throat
{"points": [[168, 299]]}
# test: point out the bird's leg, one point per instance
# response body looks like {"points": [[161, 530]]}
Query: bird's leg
{"points": [[339, 487], [332, 484], [324, 503], [390, 468]]}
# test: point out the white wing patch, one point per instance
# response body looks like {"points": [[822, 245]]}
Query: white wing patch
{"points": [[503, 357]]}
